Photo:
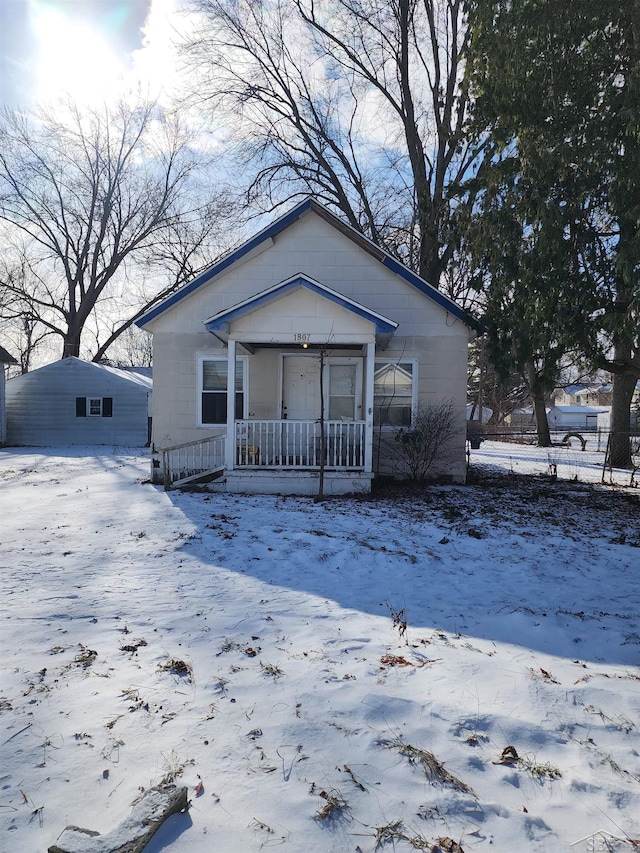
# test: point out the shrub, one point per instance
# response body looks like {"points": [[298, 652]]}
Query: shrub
{"points": [[414, 449]]}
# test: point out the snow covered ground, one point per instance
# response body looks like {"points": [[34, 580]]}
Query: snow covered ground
{"points": [[342, 676]]}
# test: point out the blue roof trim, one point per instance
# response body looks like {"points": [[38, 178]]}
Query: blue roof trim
{"points": [[283, 222], [225, 262], [219, 322], [426, 288]]}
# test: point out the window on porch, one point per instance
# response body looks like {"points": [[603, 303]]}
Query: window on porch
{"points": [[394, 386], [213, 390], [342, 392]]}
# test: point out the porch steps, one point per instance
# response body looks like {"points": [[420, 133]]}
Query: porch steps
{"points": [[200, 477]]}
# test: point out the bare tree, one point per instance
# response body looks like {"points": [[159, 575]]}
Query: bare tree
{"points": [[360, 102], [190, 243], [135, 349], [19, 318], [93, 195]]}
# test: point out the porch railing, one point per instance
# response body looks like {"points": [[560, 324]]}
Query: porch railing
{"points": [[193, 460], [298, 444]]}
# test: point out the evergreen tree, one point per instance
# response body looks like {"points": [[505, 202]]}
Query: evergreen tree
{"points": [[556, 89]]}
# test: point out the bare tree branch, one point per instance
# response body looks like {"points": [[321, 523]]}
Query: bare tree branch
{"points": [[92, 193], [360, 102]]}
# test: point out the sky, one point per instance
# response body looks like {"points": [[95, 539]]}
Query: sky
{"points": [[251, 649], [48, 47]]}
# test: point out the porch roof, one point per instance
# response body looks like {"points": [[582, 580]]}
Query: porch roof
{"points": [[220, 321]]}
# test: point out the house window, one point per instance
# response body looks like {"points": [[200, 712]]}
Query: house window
{"points": [[342, 391], [394, 393], [213, 390], [94, 407]]}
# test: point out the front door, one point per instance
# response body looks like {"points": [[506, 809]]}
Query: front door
{"points": [[300, 408], [301, 388]]}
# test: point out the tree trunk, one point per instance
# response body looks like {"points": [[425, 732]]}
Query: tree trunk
{"points": [[71, 345], [323, 436], [619, 443], [539, 407]]}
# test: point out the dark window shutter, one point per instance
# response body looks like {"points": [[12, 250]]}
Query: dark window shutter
{"points": [[107, 407], [81, 407]]}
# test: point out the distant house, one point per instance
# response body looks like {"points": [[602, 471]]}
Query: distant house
{"points": [[78, 402], [327, 344], [5, 360], [597, 394]]}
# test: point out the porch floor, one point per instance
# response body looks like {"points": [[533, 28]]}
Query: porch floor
{"points": [[289, 481]]}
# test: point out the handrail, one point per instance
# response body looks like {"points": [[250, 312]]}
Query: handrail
{"points": [[193, 460]]}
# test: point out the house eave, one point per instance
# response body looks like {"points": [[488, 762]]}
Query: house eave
{"points": [[265, 238]]}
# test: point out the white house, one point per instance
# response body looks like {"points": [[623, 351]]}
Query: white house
{"points": [[78, 402], [596, 394], [329, 344], [5, 360]]}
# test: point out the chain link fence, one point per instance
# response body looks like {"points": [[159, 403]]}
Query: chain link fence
{"points": [[595, 440]]}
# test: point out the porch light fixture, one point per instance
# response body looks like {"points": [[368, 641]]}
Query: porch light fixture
{"points": [[305, 346]]}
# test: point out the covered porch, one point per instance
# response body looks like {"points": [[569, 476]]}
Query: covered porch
{"points": [[295, 389]]}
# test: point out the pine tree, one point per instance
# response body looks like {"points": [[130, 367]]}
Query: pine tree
{"points": [[556, 89]]}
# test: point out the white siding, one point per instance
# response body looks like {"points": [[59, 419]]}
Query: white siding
{"points": [[3, 406], [41, 406], [310, 246]]}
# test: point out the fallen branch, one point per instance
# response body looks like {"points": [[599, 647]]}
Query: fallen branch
{"points": [[134, 833]]}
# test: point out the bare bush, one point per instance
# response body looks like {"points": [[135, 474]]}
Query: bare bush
{"points": [[413, 450]]}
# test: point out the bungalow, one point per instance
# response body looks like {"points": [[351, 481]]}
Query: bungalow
{"points": [[330, 346]]}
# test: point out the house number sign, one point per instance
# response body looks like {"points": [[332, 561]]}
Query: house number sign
{"points": [[302, 337]]}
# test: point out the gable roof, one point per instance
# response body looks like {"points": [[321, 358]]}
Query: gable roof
{"points": [[579, 410], [5, 358], [309, 204], [71, 362], [220, 320]]}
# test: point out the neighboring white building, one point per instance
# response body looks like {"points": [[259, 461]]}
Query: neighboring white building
{"points": [[309, 321], [473, 412], [604, 420], [5, 360], [78, 402], [575, 417]]}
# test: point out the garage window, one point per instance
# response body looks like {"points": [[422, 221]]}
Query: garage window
{"points": [[94, 407]]}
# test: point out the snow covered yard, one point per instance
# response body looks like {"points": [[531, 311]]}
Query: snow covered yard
{"points": [[324, 677]]}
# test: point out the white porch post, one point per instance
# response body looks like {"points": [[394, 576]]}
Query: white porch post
{"points": [[368, 407], [230, 450]]}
